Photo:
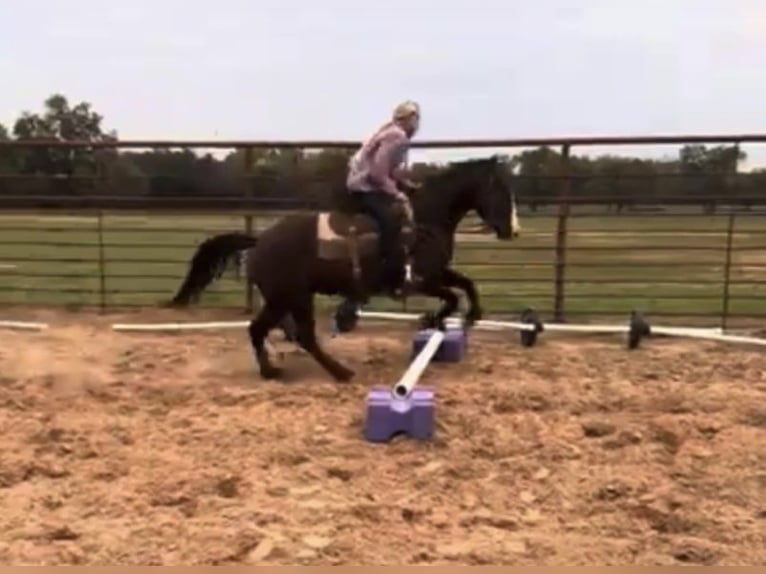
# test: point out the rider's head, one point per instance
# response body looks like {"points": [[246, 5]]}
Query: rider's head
{"points": [[407, 115]]}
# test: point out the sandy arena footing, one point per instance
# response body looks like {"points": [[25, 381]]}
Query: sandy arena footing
{"points": [[149, 448]]}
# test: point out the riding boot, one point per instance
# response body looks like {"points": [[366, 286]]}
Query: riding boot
{"points": [[396, 283]]}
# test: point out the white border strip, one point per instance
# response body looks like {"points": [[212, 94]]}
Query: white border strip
{"points": [[23, 325], [177, 327]]}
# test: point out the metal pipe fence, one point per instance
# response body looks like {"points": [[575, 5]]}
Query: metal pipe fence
{"points": [[705, 267], [699, 259]]}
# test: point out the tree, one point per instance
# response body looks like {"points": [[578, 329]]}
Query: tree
{"points": [[178, 173], [719, 159], [710, 173], [292, 177], [60, 122], [536, 171], [326, 171], [7, 155]]}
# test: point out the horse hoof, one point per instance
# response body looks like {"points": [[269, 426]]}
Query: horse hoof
{"points": [[472, 318], [271, 373], [344, 375], [428, 321]]}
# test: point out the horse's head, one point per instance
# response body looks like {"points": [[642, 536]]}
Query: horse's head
{"points": [[492, 196]]}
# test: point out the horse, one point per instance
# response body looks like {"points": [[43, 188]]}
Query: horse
{"points": [[336, 253]]}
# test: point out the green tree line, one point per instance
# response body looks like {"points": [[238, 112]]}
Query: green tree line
{"points": [[699, 174]]}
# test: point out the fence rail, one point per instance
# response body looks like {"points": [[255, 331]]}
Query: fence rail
{"points": [[694, 250], [656, 139], [709, 267]]}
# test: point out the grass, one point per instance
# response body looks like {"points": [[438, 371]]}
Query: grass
{"points": [[663, 265]]}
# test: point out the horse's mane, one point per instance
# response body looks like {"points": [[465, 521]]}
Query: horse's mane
{"points": [[468, 167]]}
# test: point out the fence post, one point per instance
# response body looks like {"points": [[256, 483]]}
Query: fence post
{"points": [[561, 236], [725, 304], [101, 262], [727, 271], [250, 230], [249, 224]]}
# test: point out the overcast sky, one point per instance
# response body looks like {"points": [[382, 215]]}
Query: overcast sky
{"points": [[290, 69]]}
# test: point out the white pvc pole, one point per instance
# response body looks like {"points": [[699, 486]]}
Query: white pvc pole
{"points": [[179, 326], [595, 328], [676, 331], [387, 315], [724, 338], [707, 333], [685, 331], [23, 325], [454, 321], [411, 376], [562, 328], [497, 325]]}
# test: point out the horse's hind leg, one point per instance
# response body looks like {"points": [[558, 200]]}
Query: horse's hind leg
{"points": [[287, 324], [266, 320], [303, 313]]}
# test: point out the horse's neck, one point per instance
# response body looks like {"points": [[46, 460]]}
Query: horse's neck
{"points": [[441, 212]]}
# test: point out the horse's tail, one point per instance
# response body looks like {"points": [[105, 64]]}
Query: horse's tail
{"points": [[209, 262]]}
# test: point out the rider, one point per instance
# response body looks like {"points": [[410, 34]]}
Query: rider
{"points": [[374, 172]]}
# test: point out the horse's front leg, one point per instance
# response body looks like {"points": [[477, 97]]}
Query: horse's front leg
{"points": [[452, 278], [437, 289]]}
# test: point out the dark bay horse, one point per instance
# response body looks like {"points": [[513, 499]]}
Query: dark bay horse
{"points": [[335, 253]]}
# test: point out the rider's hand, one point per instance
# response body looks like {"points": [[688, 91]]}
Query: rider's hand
{"points": [[408, 187], [413, 185], [406, 206]]}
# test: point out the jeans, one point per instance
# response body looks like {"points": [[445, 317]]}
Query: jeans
{"points": [[377, 204]]}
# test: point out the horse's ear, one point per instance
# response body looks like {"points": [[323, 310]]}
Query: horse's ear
{"points": [[503, 163], [501, 159]]}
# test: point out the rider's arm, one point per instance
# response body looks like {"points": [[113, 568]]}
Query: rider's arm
{"points": [[401, 175], [390, 153]]}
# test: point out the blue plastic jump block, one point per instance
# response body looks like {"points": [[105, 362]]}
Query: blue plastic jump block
{"points": [[388, 416], [451, 350]]}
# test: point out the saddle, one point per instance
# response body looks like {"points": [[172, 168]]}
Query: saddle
{"points": [[347, 235]]}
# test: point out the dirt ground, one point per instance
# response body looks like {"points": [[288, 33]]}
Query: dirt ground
{"points": [[168, 449]]}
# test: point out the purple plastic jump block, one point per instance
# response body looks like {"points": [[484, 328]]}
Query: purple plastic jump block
{"points": [[388, 415], [451, 350]]}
